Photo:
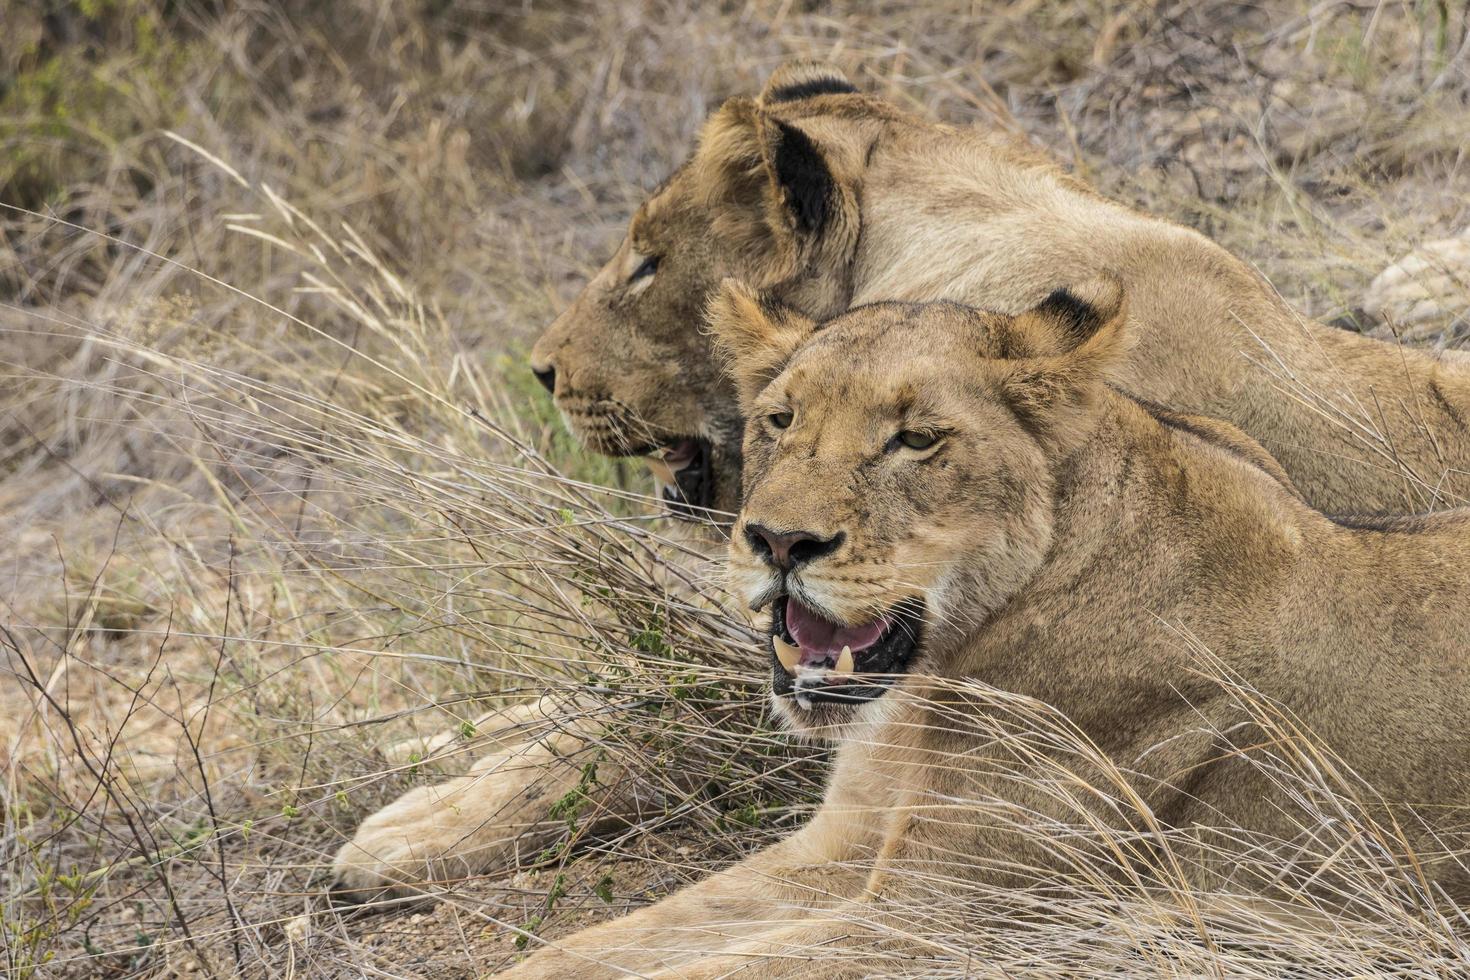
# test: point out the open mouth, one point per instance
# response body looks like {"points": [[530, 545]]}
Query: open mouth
{"points": [[684, 474], [818, 661]]}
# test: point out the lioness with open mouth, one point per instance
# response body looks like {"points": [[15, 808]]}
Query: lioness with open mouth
{"points": [[824, 197], [934, 493]]}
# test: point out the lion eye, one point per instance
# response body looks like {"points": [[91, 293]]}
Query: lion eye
{"points": [[648, 267], [916, 440], [781, 420]]}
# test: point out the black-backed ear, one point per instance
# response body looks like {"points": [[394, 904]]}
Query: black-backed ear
{"points": [[770, 188], [754, 335], [781, 184], [797, 80], [1072, 343], [1068, 318], [1083, 310], [802, 178]]}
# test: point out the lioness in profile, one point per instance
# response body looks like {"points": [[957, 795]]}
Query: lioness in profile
{"points": [[824, 198], [934, 492]]}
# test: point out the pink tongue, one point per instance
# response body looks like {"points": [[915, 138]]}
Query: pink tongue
{"points": [[821, 641], [680, 454]]}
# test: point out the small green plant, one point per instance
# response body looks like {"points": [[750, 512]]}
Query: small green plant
{"points": [[650, 640], [554, 894], [34, 921]]}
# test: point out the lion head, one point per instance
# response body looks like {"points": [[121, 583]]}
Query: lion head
{"points": [[900, 465], [770, 197]]}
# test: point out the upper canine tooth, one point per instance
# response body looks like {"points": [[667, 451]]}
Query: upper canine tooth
{"points": [[660, 469], [844, 661], [789, 655]]}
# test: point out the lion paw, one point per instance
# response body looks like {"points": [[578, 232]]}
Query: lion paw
{"points": [[483, 821], [409, 849]]}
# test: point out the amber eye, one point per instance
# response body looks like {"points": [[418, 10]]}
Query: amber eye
{"points": [[648, 267], [781, 420], [916, 440]]}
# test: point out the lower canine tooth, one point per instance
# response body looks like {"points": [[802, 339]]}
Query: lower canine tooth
{"points": [[844, 661], [789, 655]]}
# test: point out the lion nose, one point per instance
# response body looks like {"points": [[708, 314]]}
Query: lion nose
{"points": [[547, 377], [788, 550]]}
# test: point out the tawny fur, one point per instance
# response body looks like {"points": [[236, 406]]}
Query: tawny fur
{"points": [[1072, 538], [918, 211]]}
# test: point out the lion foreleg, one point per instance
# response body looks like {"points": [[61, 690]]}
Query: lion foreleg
{"points": [[502, 811], [812, 870]]}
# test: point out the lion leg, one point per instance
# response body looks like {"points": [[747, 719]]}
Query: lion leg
{"points": [[507, 727], [489, 818], [814, 869], [881, 921], [822, 949]]}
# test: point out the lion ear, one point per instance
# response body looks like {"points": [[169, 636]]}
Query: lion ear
{"points": [[781, 185], [754, 336], [1081, 315], [1071, 344], [1067, 320], [804, 193], [796, 80], [805, 160]]}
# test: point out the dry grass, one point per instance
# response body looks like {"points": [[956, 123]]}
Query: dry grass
{"points": [[278, 492]]}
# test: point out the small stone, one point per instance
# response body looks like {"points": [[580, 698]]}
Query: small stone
{"points": [[297, 928]]}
